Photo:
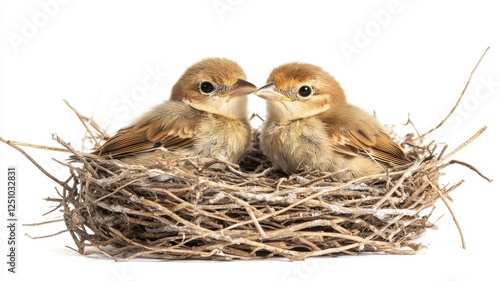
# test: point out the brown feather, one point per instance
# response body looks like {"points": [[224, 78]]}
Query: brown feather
{"points": [[353, 130], [170, 125]]}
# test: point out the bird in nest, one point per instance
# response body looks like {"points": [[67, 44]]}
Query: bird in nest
{"points": [[206, 116], [309, 124]]}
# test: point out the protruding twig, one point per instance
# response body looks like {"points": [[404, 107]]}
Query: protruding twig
{"points": [[468, 166], [9, 143], [459, 98], [84, 120], [464, 144], [445, 201]]}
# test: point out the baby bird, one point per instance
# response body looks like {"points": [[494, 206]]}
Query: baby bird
{"points": [[206, 116], [309, 124]]}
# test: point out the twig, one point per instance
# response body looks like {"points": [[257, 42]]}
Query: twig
{"points": [[445, 201], [397, 185], [68, 146], [37, 146], [459, 98], [83, 120], [409, 122], [464, 144], [32, 161], [468, 166], [42, 223], [47, 236]]}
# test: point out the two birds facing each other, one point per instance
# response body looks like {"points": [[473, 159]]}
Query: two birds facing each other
{"points": [[309, 123]]}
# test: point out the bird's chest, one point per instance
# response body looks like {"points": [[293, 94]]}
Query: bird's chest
{"points": [[296, 143], [222, 136]]}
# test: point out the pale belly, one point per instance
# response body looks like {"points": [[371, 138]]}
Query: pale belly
{"points": [[297, 145], [224, 137], [305, 145]]}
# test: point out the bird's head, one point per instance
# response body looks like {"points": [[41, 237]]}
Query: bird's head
{"points": [[214, 85], [300, 90]]}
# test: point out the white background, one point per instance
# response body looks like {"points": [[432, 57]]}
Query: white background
{"points": [[407, 57]]}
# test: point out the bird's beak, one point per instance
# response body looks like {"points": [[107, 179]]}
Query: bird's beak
{"points": [[241, 88], [267, 92]]}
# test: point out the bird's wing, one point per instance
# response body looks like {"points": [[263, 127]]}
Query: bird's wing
{"points": [[355, 132], [170, 125]]}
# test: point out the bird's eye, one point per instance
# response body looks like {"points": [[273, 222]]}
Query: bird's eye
{"points": [[206, 87], [305, 91]]}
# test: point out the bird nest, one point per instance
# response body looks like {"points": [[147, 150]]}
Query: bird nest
{"points": [[188, 210], [191, 210]]}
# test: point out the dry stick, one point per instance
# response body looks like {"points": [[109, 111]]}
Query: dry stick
{"points": [[42, 223], [9, 143], [91, 220], [68, 222], [358, 239], [325, 177], [117, 208], [66, 213], [464, 144], [152, 250], [330, 250], [409, 122], [250, 212], [46, 236], [82, 120], [196, 208], [256, 115], [94, 124], [459, 98], [101, 251], [297, 229], [443, 198], [413, 196], [37, 146], [68, 146], [309, 243], [406, 174], [180, 253], [384, 228], [43, 147], [263, 173], [455, 186], [468, 166], [118, 189], [442, 152]]}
